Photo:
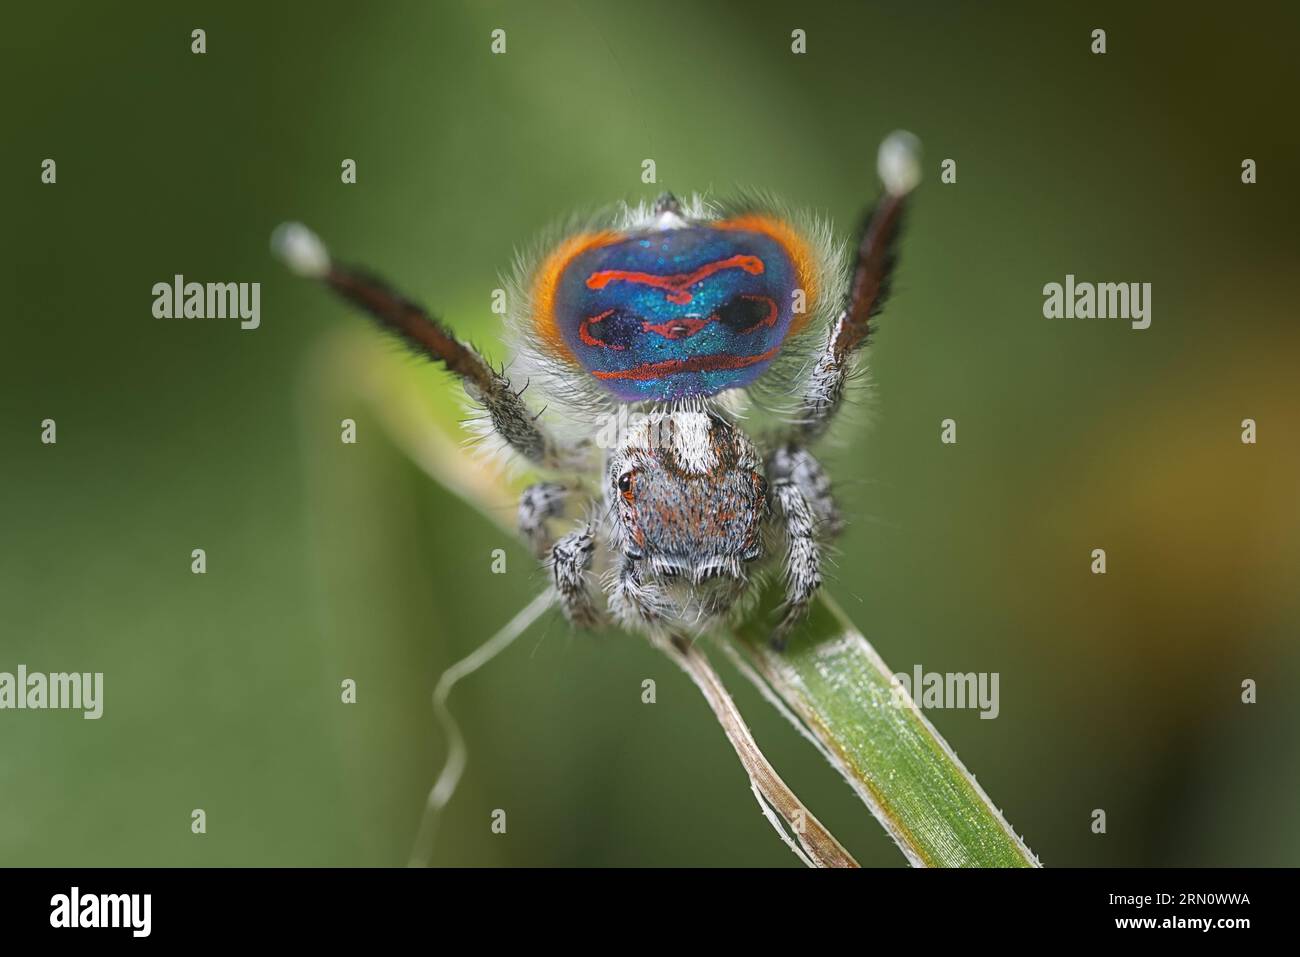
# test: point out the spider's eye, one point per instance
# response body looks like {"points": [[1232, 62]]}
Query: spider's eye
{"points": [[625, 485], [745, 314]]}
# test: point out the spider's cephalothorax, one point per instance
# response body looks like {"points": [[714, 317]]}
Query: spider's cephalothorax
{"points": [[683, 315], [688, 504]]}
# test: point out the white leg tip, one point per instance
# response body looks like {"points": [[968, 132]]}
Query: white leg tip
{"points": [[300, 249], [899, 162]]}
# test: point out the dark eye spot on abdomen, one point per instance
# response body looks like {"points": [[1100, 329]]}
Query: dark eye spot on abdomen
{"points": [[746, 314]]}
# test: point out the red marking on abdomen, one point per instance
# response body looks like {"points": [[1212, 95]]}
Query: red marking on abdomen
{"points": [[676, 284], [658, 370], [682, 328]]}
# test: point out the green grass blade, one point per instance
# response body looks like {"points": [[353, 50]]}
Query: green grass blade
{"points": [[831, 682]]}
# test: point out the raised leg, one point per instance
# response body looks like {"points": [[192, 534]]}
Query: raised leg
{"points": [[899, 167], [306, 255], [802, 558], [570, 564]]}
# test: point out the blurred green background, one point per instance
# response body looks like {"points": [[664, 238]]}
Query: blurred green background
{"points": [[328, 561]]}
